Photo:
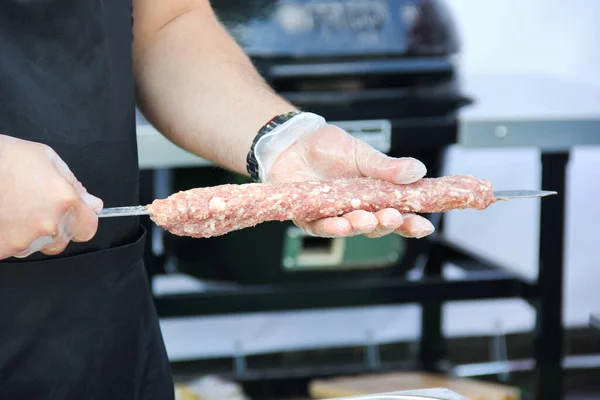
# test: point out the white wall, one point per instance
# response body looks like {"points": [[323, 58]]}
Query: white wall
{"points": [[548, 36]]}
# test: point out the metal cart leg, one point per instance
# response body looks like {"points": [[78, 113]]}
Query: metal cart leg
{"points": [[432, 344], [549, 339]]}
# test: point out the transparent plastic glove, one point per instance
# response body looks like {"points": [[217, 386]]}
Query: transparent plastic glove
{"points": [[43, 206], [329, 152]]}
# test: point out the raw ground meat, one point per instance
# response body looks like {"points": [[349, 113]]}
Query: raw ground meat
{"points": [[215, 211]]}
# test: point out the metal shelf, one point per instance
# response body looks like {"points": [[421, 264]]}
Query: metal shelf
{"points": [[487, 284]]}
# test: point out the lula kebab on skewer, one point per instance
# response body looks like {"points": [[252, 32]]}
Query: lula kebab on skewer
{"points": [[214, 211]]}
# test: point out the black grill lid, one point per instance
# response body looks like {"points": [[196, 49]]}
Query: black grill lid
{"points": [[339, 28]]}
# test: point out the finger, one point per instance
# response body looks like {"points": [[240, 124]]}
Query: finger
{"points": [[81, 224], [33, 240], [78, 221], [361, 221], [328, 227], [415, 226], [373, 163], [57, 246], [63, 169], [60, 166], [24, 253], [93, 202], [389, 220], [34, 247]]}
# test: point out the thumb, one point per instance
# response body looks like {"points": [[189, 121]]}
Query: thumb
{"points": [[93, 202], [63, 169], [375, 164], [60, 166]]}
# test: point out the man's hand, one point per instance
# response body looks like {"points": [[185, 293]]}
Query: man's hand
{"points": [[192, 77], [328, 153], [43, 206]]}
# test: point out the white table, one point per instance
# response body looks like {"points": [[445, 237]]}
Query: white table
{"points": [[545, 112], [155, 151]]}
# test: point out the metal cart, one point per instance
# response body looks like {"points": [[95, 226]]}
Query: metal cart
{"points": [[551, 115]]}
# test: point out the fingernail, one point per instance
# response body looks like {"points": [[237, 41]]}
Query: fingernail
{"points": [[414, 171], [92, 201], [392, 220], [368, 222], [424, 228], [341, 228]]}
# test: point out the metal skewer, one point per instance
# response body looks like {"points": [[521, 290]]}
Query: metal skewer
{"points": [[500, 194]]}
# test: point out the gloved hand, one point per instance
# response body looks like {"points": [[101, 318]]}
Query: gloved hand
{"points": [[328, 152], [42, 206]]}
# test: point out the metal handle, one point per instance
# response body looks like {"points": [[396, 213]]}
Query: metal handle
{"points": [[354, 68]]}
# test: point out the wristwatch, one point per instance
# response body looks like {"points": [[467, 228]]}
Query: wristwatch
{"points": [[251, 162]]}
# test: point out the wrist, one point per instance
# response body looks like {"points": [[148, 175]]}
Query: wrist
{"points": [[275, 137]]}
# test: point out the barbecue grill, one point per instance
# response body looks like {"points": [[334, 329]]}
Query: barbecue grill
{"points": [[384, 70]]}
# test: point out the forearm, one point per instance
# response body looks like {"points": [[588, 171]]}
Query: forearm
{"points": [[198, 88]]}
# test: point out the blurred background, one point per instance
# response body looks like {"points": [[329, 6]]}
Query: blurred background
{"points": [[279, 314]]}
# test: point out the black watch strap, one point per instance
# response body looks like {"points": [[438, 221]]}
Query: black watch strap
{"points": [[251, 163]]}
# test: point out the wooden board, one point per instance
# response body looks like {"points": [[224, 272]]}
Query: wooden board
{"points": [[182, 393], [399, 381]]}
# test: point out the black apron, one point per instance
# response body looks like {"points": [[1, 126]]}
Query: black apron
{"points": [[81, 325]]}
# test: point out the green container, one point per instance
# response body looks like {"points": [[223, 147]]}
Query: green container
{"points": [[302, 252]]}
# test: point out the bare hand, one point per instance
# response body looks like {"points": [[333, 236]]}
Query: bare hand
{"points": [[43, 206], [329, 153]]}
